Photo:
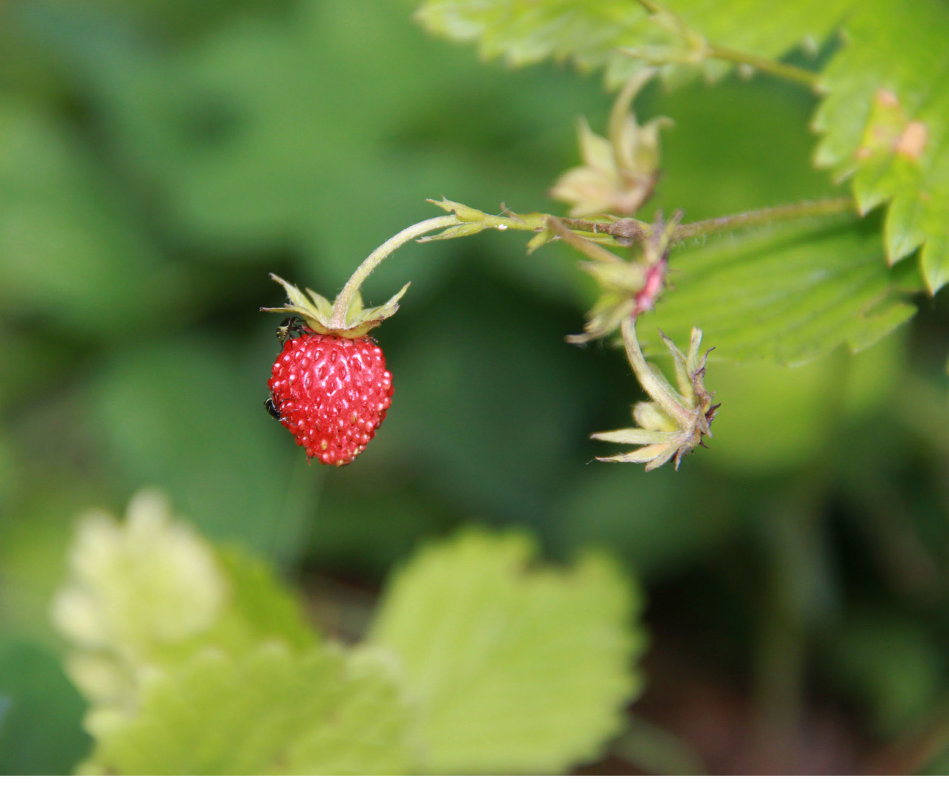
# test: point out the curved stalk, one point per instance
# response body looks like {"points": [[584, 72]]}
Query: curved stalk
{"points": [[345, 297]]}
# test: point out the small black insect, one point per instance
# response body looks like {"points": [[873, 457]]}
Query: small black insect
{"points": [[271, 409], [290, 328]]}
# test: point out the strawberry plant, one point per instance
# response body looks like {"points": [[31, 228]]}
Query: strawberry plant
{"points": [[735, 220], [819, 276]]}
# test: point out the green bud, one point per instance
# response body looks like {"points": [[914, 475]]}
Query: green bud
{"points": [[619, 173]]}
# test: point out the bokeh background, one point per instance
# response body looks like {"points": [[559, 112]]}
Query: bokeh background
{"points": [[158, 159]]}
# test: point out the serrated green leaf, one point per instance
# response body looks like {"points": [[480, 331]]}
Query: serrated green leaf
{"points": [[140, 584], [513, 670], [885, 124], [594, 33], [788, 294], [266, 711], [149, 592]]}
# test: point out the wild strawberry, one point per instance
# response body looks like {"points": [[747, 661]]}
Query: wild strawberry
{"points": [[331, 393], [329, 386]]}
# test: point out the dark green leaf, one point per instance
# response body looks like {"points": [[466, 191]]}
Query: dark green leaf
{"points": [[788, 294], [40, 712]]}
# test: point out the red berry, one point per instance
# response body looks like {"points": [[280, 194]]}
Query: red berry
{"points": [[331, 393]]}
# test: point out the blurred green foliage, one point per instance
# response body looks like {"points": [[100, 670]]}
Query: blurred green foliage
{"points": [[194, 660], [158, 159], [40, 712]]}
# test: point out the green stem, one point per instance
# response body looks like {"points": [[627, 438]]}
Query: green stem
{"points": [[746, 219], [627, 228], [786, 71], [707, 49], [630, 229], [585, 246], [345, 297]]}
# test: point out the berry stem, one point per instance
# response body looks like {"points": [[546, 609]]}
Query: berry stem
{"points": [[345, 297]]}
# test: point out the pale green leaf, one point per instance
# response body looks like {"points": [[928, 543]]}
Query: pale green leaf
{"points": [[513, 670], [885, 123], [150, 592], [788, 294], [266, 711], [593, 33], [259, 606]]}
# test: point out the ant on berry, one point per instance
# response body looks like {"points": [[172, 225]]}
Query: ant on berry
{"points": [[271, 409], [290, 328]]}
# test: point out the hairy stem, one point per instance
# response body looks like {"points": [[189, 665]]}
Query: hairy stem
{"points": [[629, 229], [747, 219], [388, 247]]}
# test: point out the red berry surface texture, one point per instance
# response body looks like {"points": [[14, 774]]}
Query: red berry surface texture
{"points": [[332, 393]]}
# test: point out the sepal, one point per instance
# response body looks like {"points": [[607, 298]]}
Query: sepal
{"points": [[324, 317], [619, 172], [473, 221], [673, 423]]}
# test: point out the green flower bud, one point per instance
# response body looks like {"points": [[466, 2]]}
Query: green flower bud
{"points": [[619, 173]]}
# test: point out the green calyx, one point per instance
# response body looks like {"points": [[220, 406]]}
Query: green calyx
{"points": [[345, 317]]}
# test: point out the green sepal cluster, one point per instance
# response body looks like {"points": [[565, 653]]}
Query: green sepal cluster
{"points": [[675, 419], [619, 172], [343, 317]]}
